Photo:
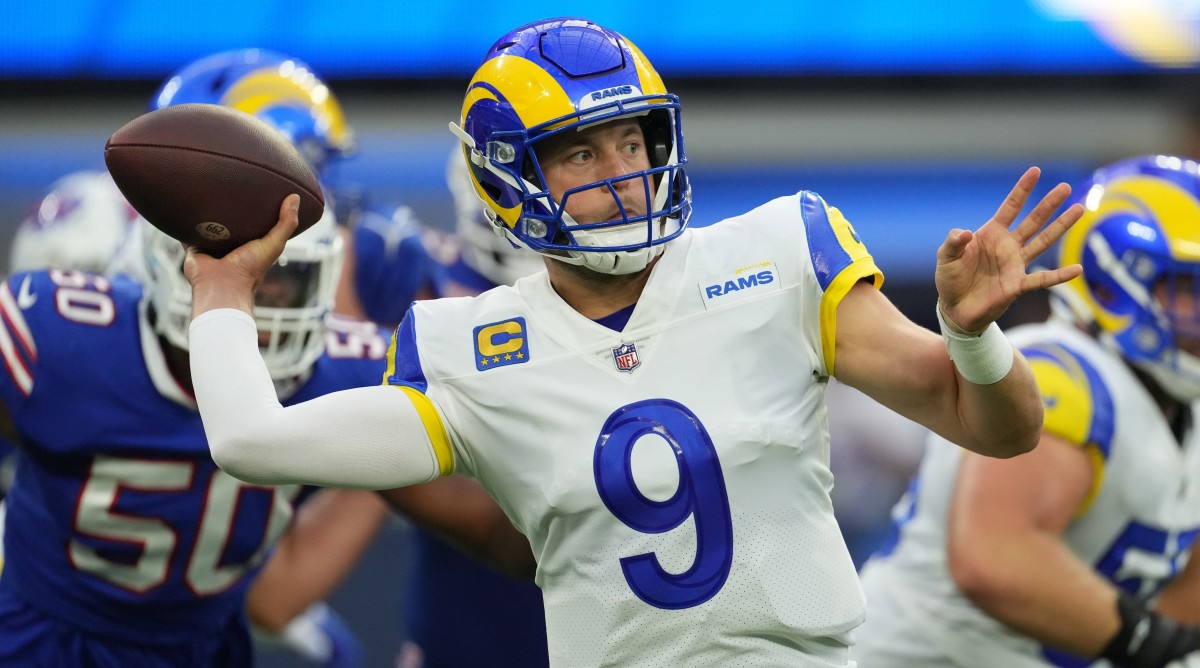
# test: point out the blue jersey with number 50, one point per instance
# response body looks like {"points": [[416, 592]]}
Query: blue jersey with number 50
{"points": [[119, 522], [672, 477]]}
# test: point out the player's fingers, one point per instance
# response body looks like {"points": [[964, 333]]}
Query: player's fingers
{"points": [[270, 247], [1053, 232], [1017, 197], [289, 219], [952, 248], [1040, 280], [1042, 212]]}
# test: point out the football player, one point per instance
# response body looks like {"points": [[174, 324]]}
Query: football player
{"points": [[649, 410], [83, 223], [288, 95], [1079, 550], [125, 544]]}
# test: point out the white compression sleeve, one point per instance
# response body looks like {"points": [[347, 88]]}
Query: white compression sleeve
{"points": [[366, 438]]}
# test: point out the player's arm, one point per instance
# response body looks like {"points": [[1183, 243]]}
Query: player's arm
{"points": [[985, 398], [1005, 551], [368, 438], [331, 531], [460, 511], [906, 367]]}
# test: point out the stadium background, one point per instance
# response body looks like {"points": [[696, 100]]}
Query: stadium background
{"points": [[911, 116]]}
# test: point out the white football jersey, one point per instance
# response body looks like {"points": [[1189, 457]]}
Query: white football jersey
{"points": [[1136, 529], [672, 478]]}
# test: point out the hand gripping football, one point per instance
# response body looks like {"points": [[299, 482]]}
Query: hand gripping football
{"points": [[210, 175]]}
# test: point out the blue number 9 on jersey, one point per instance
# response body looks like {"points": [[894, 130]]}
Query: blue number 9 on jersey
{"points": [[701, 495]]}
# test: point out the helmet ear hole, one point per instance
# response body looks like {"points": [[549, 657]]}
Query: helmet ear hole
{"points": [[656, 128], [492, 191], [679, 187], [1103, 294], [529, 172], [485, 180]]}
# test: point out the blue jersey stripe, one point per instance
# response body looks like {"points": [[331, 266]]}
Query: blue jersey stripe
{"points": [[828, 256], [404, 363]]}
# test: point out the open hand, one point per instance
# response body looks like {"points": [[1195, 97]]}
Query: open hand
{"points": [[980, 274]]}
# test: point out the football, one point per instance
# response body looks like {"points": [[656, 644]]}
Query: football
{"points": [[210, 175]]}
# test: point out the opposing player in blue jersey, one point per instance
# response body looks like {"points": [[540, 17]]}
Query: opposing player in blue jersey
{"points": [[649, 409], [126, 545], [83, 221], [386, 268], [288, 95], [1086, 547]]}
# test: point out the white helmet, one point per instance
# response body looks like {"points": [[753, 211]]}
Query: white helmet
{"points": [[290, 306], [81, 223], [482, 245]]}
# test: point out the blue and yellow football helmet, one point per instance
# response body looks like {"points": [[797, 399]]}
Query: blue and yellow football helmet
{"points": [[1139, 244], [278, 89], [563, 75]]}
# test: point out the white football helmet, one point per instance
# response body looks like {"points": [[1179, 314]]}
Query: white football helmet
{"points": [[290, 306], [81, 223], [482, 245]]}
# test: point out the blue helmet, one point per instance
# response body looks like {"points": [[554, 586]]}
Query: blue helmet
{"points": [[278, 89], [1139, 244], [563, 75]]}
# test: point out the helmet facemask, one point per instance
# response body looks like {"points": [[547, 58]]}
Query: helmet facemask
{"points": [[627, 243], [291, 304]]}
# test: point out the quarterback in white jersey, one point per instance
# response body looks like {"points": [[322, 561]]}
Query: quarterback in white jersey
{"points": [[1039, 561], [697, 368], [649, 410]]}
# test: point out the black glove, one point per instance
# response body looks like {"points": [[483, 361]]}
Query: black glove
{"points": [[1147, 639]]}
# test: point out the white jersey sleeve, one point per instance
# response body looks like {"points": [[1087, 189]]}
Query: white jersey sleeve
{"points": [[395, 436]]}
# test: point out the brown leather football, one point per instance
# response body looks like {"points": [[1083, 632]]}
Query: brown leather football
{"points": [[210, 175]]}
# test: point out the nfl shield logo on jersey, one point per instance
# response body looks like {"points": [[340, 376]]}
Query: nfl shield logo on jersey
{"points": [[626, 356]]}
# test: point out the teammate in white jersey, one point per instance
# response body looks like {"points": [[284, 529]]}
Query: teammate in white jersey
{"points": [[1077, 550], [648, 410]]}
